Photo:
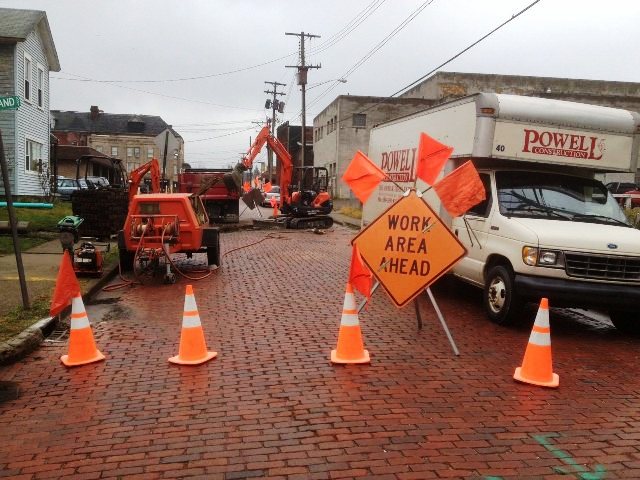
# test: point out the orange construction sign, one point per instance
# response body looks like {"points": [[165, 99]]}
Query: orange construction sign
{"points": [[408, 248]]}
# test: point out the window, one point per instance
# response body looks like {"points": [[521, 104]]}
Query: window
{"points": [[483, 208], [129, 152], [114, 151], [136, 152], [27, 78], [149, 152], [359, 119], [40, 87], [32, 156]]}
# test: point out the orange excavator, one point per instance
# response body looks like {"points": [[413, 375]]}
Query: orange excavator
{"points": [[136, 176], [304, 200]]}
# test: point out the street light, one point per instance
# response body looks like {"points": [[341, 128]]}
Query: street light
{"points": [[339, 80]]}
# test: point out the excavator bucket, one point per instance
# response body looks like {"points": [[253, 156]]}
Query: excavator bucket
{"points": [[233, 180]]}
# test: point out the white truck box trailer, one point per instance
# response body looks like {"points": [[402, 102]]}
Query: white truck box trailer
{"points": [[547, 227]]}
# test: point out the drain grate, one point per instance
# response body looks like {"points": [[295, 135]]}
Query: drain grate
{"points": [[58, 335], [9, 391]]}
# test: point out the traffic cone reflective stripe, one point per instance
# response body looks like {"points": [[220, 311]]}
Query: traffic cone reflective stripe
{"points": [[350, 347], [193, 348], [82, 347], [537, 365]]}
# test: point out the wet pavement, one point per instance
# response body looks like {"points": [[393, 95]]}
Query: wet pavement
{"points": [[271, 405]]}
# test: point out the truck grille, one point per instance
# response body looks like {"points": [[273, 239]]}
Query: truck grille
{"points": [[605, 267]]}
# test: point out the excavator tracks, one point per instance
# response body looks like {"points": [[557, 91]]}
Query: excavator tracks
{"points": [[303, 223]]}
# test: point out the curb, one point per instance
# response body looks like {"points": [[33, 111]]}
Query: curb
{"points": [[22, 344]]}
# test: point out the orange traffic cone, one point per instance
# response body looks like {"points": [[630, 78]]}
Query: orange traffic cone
{"points": [[274, 204], [350, 347], [537, 367], [82, 347], [193, 349]]}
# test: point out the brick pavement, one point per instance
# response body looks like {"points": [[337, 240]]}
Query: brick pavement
{"points": [[272, 406]]}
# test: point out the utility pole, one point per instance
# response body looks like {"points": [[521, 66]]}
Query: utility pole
{"points": [[302, 81], [275, 104]]}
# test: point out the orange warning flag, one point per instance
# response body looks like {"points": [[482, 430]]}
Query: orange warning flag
{"points": [[461, 189], [360, 277], [432, 155], [267, 187], [67, 286], [246, 186], [362, 176]]}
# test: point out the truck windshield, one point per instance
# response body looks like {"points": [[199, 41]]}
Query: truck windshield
{"points": [[556, 196]]}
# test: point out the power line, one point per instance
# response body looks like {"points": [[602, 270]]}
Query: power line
{"points": [[204, 102], [371, 52], [359, 18], [513, 17]]}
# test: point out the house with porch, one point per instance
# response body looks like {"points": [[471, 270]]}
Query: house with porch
{"points": [[27, 55]]}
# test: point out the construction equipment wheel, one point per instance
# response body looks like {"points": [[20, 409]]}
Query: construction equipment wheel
{"points": [[170, 278]]}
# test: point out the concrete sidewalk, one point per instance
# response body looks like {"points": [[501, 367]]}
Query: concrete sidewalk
{"points": [[41, 265]]}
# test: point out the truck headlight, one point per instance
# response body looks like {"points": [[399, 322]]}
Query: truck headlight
{"points": [[534, 256], [547, 257]]}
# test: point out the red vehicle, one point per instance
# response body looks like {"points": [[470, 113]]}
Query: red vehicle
{"points": [[220, 201]]}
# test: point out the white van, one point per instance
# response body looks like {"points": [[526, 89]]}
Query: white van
{"points": [[547, 227]]}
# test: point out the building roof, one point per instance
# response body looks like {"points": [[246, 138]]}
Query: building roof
{"points": [[16, 25], [73, 152], [110, 123]]}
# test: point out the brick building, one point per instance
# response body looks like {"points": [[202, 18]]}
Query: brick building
{"points": [[131, 138]]}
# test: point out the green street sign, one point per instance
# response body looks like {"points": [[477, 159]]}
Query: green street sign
{"points": [[9, 103]]}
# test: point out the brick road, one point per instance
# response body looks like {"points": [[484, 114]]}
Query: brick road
{"points": [[272, 406]]}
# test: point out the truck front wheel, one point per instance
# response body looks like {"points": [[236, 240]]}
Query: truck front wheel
{"points": [[627, 322], [502, 304]]}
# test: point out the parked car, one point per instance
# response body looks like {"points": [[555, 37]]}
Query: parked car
{"points": [[66, 187], [97, 182], [273, 193]]}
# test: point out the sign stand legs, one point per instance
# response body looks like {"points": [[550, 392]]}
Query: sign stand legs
{"points": [[444, 324], [419, 317]]}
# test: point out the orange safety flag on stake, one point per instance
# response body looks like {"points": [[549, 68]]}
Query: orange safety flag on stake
{"points": [[67, 286], [432, 155], [267, 187], [461, 189], [362, 176], [360, 277]]}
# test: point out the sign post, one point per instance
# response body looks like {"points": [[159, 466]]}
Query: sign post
{"points": [[14, 227]]}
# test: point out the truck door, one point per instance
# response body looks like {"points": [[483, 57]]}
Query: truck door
{"points": [[473, 235]]}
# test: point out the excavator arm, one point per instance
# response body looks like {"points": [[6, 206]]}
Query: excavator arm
{"points": [[286, 167], [136, 176], [233, 180]]}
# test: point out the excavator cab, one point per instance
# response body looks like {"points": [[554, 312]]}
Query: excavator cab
{"points": [[309, 198]]}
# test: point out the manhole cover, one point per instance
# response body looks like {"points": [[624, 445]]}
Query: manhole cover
{"points": [[9, 391]]}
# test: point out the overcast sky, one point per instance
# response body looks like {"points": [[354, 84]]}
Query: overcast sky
{"points": [[157, 41]]}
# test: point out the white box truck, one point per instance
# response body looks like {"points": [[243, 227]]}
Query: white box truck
{"points": [[547, 228]]}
